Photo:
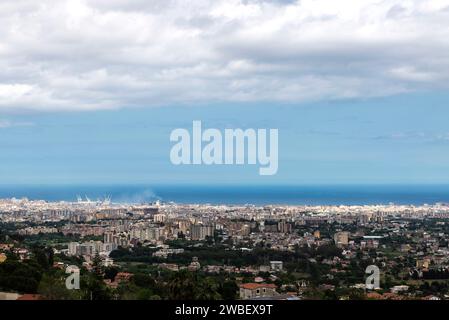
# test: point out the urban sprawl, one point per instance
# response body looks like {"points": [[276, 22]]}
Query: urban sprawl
{"points": [[180, 251]]}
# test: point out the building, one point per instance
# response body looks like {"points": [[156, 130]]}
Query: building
{"points": [[108, 237], [9, 296], [257, 290], [263, 268], [160, 217], [165, 252], [194, 265], [284, 227], [341, 238], [73, 248], [107, 262], [123, 277], [169, 266], [30, 297], [200, 231], [423, 263], [276, 265], [398, 289], [154, 233], [89, 248]]}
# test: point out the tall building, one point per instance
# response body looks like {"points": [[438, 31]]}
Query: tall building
{"points": [[73, 248], [89, 248], [284, 227], [160, 217], [108, 237], [200, 231]]}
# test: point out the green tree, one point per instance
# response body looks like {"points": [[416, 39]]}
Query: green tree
{"points": [[97, 265], [94, 288], [229, 290], [110, 273], [52, 287], [182, 286], [143, 280], [207, 289]]}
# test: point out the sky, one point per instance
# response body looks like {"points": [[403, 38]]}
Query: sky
{"points": [[90, 90]]}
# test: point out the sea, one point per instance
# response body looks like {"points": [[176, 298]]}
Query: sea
{"points": [[238, 194]]}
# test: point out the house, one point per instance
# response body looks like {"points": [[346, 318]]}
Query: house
{"points": [[9, 296], [385, 296], [30, 297], [169, 266], [398, 289], [123, 276], [255, 290], [194, 265], [59, 265], [431, 298], [276, 265]]}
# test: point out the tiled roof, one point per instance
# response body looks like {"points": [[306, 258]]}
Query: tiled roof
{"points": [[30, 297], [253, 286]]}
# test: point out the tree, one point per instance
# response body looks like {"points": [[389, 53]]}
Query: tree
{"points": [[53, 288], [110, 273], [43, 256], [20, 276], [144, 294], [143, 280], [229, 290], [182, 286], [207, 289], [97, 265], [94, 288]]}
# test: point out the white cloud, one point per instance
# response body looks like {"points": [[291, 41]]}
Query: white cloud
{"points": [[101, 54], [411, 74]]}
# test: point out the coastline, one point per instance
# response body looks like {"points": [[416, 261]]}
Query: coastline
{"points": [[240, 195]]}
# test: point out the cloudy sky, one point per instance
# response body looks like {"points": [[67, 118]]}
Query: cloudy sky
{"points": [[90, 90]]}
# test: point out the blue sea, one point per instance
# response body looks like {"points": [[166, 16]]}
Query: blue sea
{"points": [[257, 195]]}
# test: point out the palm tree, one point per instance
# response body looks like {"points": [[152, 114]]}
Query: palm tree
{"points": [[182, 286]]}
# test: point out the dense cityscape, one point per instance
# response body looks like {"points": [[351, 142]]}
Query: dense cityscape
{"points": [[189, 251]]}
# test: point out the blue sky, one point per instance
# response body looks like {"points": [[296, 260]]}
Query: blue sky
{"points": [[90, 90], [398, 139]]}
